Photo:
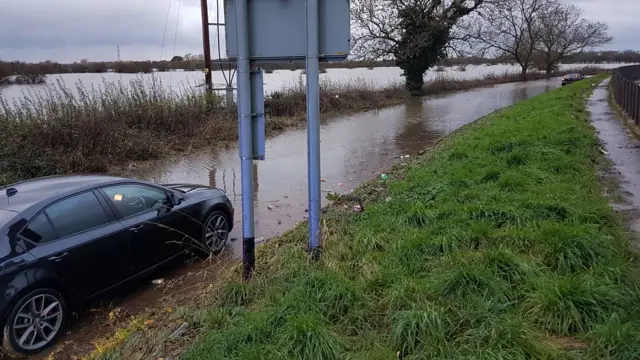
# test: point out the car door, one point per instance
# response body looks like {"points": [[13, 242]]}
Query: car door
{"points": [[81, 241], [154, 224]]}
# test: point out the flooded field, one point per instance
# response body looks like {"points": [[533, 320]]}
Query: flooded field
{"points": [[279, 79]]}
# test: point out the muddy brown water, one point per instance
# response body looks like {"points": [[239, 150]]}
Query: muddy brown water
{"points": [[353, 149]]}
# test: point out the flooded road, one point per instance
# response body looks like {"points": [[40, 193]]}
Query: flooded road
{"points": [[354, 149]]}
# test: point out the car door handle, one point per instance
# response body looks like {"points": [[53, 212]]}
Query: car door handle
{"points": [[136, 228], [58, 257]]}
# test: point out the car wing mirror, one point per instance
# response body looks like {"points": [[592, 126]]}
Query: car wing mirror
{"points": [[175, 199]]}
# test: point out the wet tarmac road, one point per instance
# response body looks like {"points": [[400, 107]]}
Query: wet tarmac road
{"points": [[623, 149], [354, 149]]}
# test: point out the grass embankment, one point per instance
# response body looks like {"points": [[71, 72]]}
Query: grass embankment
{"points": [[495, 244], [91, 130]]}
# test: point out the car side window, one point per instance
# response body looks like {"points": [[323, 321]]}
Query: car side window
{"points": [[132, 199], [39, 230], [76, 214]]}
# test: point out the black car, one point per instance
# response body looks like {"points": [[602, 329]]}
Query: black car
{"points": [[570, 78], [67, 239]]}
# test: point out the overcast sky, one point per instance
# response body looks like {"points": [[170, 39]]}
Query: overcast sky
{"points": [[71, 30]]}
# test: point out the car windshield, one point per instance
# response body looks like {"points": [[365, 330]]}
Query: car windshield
{"points": [[6, 216], [573, 76]]}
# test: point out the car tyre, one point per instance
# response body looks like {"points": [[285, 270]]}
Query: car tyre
{"points": [[34, 323], [215, 233]]}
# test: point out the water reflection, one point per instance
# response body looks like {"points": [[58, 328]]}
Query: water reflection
{"points": [[354, 149], [414, 127], [519, 94], [228, 179]]}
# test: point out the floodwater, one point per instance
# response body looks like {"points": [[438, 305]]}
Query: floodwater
{"points": [[279, 79], [353, 149]]}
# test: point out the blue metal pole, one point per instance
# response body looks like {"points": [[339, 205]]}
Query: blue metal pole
{"points": [[313, 125], [245, 138]]}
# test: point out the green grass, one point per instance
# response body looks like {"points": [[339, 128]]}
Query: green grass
{"points": [[495, 244]]}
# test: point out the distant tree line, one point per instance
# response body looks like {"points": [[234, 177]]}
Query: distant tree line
{"points": [[30, 73]]}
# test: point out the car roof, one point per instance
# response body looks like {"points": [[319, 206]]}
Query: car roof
{"points": [[573, 74], [32, 191]]}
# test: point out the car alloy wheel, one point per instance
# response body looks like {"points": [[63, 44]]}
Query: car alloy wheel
{"points": [[34, 322], [217, 232]]}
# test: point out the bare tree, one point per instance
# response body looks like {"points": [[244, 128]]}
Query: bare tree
{"points": [[510, 28], [415, 33], [564, 33]]}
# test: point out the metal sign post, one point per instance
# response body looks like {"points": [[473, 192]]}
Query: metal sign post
{"points": [[313, 126], [314, 30], [244, 137]]}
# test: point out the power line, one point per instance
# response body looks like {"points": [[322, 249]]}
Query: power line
{"points": [[164, 33], [175, 40], [175, 37]]}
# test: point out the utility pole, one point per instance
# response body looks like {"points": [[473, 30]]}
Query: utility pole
{"points": [[206, 44], [118, 48]]}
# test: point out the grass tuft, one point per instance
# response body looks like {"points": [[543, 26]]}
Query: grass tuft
{"points": [[307, 336], [420, 331], [567, 305], [462, 278], [615, 340]]}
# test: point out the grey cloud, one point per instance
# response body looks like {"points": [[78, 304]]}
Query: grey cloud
{"points": [[620, 15], [68, 30], [47, 25]]}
